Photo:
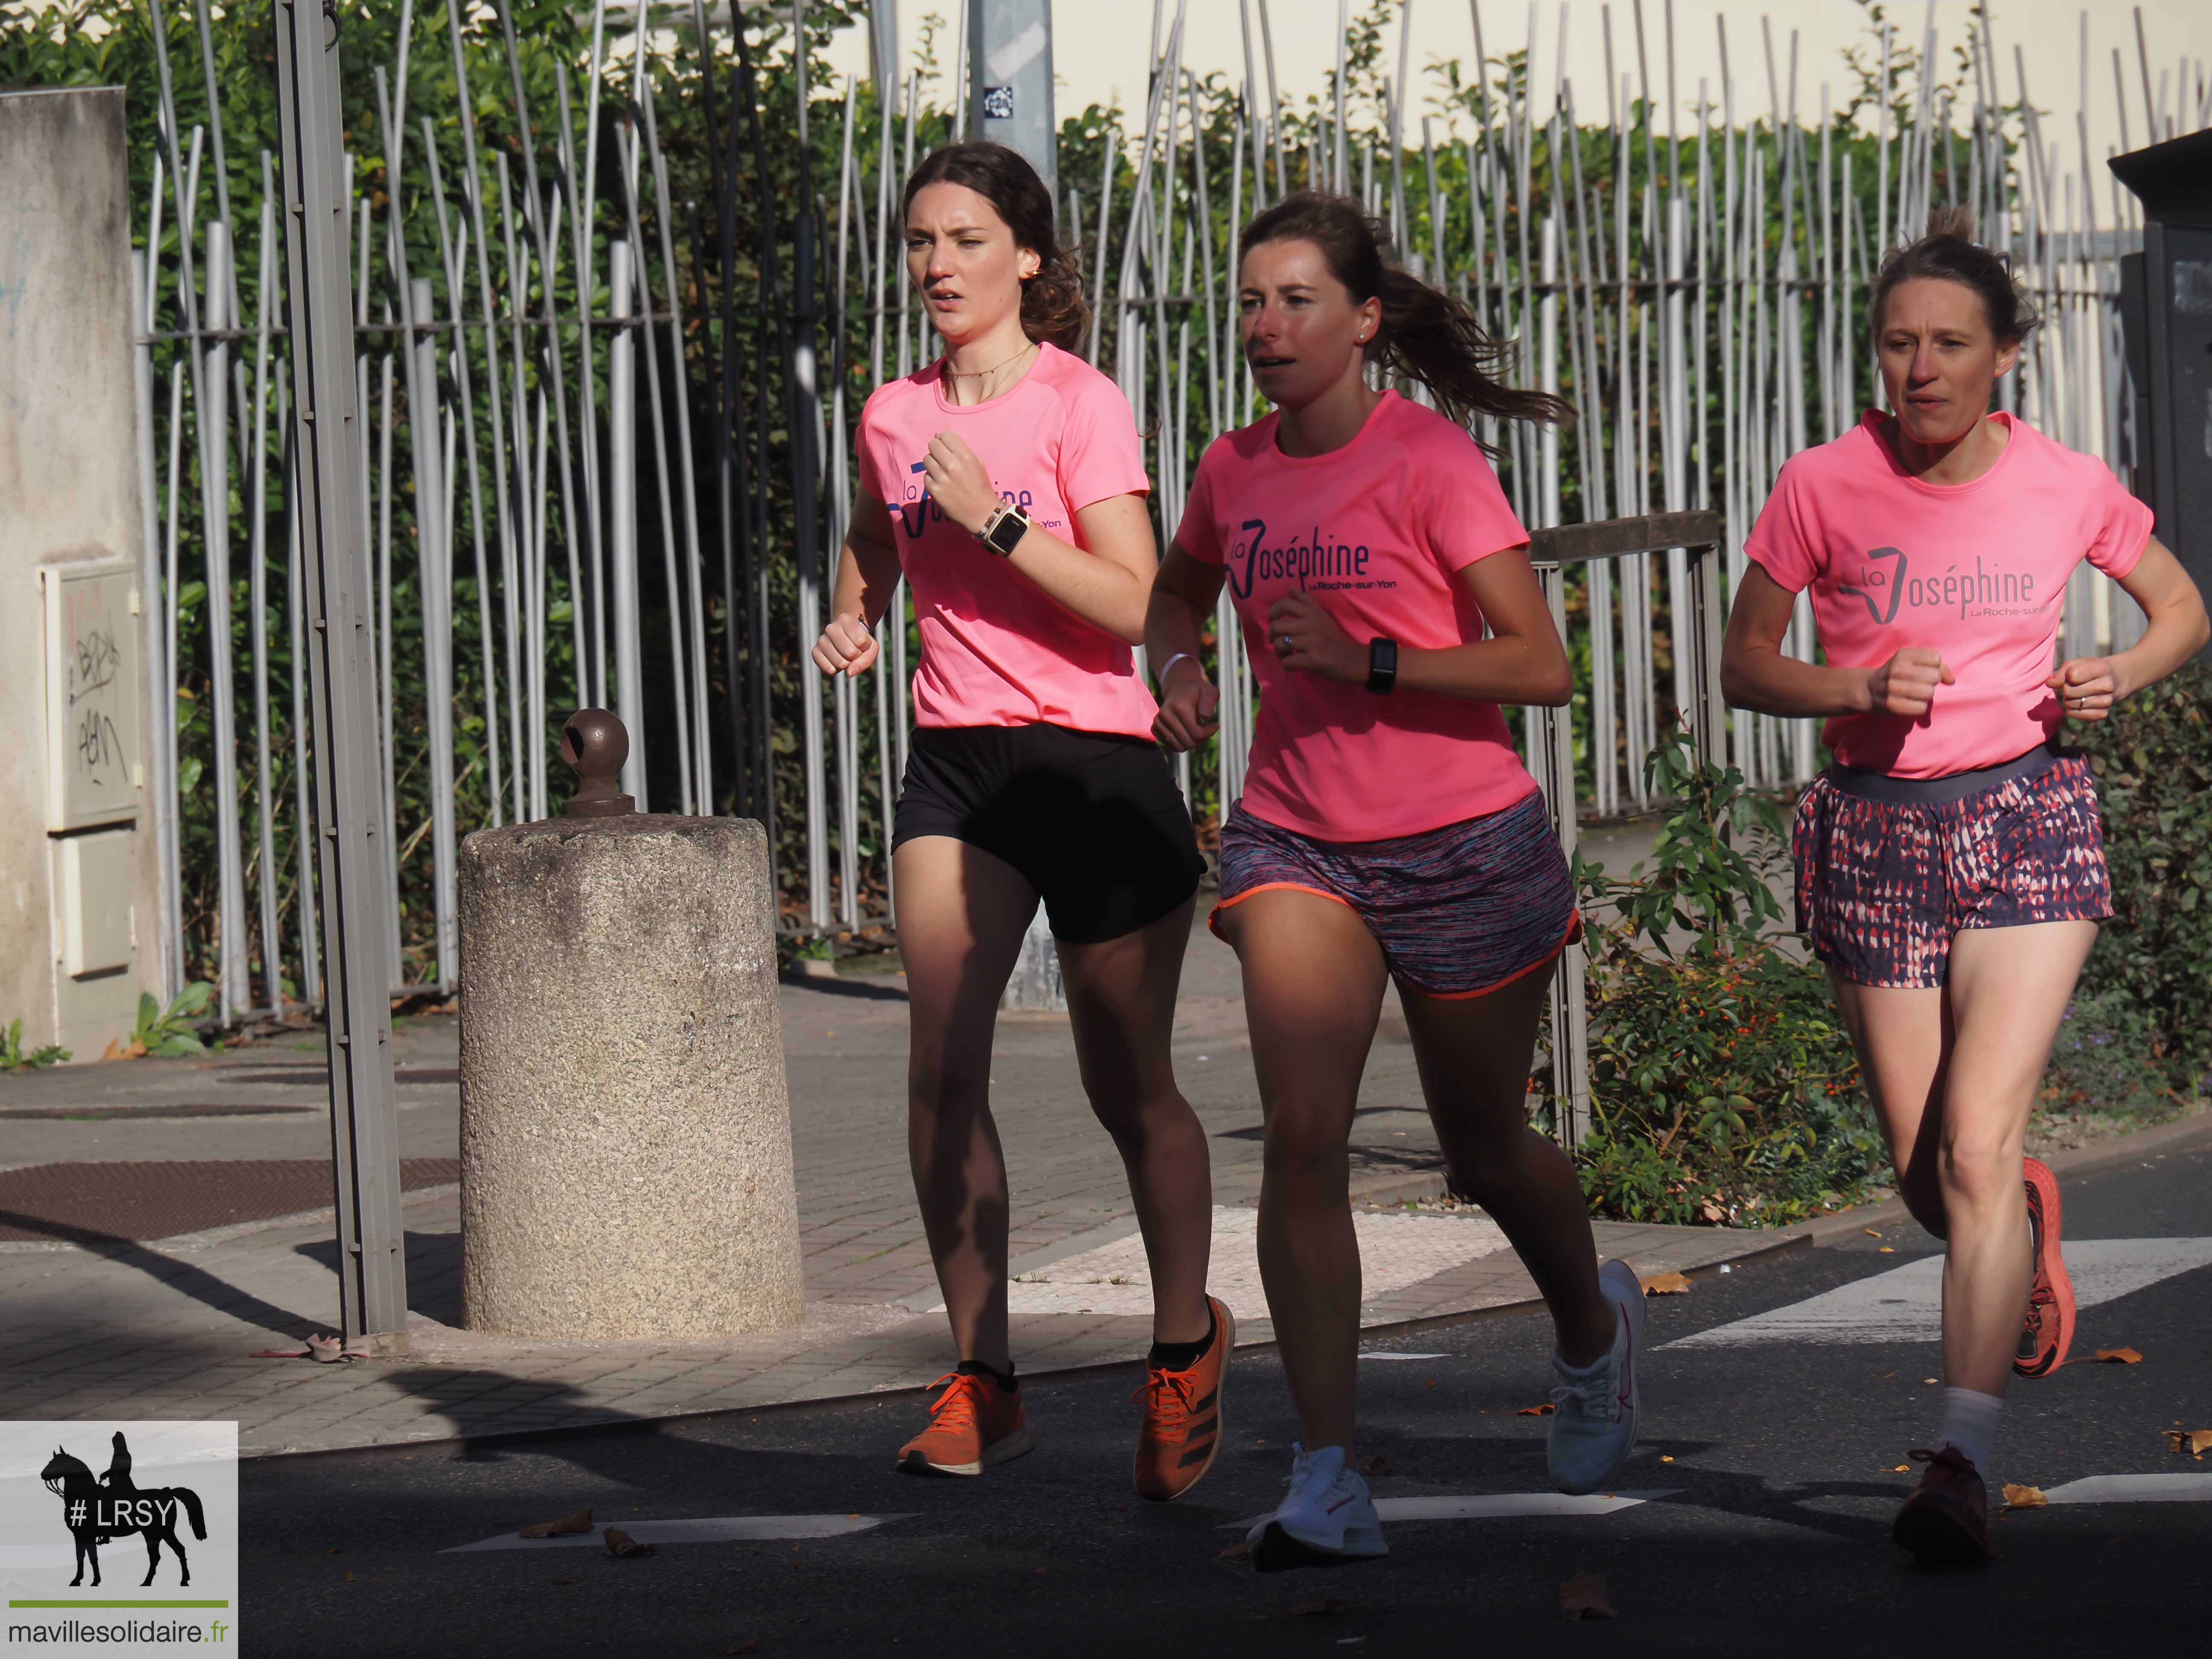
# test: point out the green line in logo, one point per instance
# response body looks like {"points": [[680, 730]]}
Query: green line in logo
{"points": [[119, 1604]]}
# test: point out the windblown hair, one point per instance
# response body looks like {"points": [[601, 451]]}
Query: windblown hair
{"points": [[1425, 335], [1950, 253], [1052, 307]]}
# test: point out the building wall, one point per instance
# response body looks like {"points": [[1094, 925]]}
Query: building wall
{"points": [[68, 492]]}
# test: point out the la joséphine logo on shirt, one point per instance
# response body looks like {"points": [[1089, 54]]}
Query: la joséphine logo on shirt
{"points": [[1886, 583], [1313, 559], [919, 509]]}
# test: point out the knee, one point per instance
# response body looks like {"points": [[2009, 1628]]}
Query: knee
{"points": [[1307, 1158], [1138, 1118], [1980, 1170], [947, 1073]]}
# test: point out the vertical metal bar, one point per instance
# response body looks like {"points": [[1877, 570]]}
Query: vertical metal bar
{"points": [[622, 514], [304, 840], [1552, 758], [434, 564], [694, 604], [364, 1118], [495, 396], [160, 685], [272, 958], [235, 993]]}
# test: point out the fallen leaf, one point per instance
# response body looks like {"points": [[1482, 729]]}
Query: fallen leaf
{"points": [[1665, 1285], [1327, 1605], [1870, 1232], [1929, 1381], [1375, 1464], [1239, 1551], [2024, 1498], [349, 1578], [1583, 1596], [622, 1545], [1902, 1468], [1885, 1250], [1544, 1410], [2194, 1442], [2118, 1357], [567, 1525], [1665, 1458], [1432, 1383]]}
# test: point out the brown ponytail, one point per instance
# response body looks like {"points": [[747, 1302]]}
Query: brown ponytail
{"points": [[1949, 252], [1425, 335], [1052, 307]]}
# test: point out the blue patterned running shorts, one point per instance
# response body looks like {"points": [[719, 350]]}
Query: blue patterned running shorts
{"points": [[1889, 870], [1459, 911]]}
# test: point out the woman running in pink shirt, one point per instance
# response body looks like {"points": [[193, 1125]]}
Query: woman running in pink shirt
{"points": [[1006, 481], [1388, 831], [1936, 542]]}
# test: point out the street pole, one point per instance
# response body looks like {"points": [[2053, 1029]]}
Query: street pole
{"points": [[1010, 89], [333, 520], [1010, 81]]}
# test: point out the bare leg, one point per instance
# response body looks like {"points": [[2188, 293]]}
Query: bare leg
{"points": [[960, 916], [1474, 1054], [1902, 1036], [2008, 991], [1120, 1002], [1313, 992]]}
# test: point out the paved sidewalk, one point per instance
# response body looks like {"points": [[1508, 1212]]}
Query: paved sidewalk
{"points": [[130, 1325]]}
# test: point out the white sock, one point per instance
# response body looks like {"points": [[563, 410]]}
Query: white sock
{"points": [[1970, 1423]]}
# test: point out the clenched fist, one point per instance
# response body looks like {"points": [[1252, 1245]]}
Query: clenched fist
{"points": [[847, 647], [1905, 685]]}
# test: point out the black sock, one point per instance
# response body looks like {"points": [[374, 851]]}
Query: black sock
{"points": [[1181, 1356], [1004, 1379]]}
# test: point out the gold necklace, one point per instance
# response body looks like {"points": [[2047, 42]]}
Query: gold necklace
{"points": [[952, 374]]}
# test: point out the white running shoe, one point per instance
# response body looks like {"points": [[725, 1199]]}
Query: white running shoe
{"points": [[1326, 1519], [1594, 1426]]}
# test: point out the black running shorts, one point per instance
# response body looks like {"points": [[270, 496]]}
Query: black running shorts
{"points": [[1093, 821]]}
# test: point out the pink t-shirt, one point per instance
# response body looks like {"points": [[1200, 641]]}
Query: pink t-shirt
{"points": [[1977, 571], [1377, 532], [995, 651]]}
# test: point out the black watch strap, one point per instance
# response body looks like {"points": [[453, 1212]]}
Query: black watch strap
{"points": [[1005, 530], [1381, 663]]}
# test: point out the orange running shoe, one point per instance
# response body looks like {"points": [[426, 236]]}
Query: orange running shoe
{"points": [[2048, 1331], [974, 1423], [1182, 1428]]}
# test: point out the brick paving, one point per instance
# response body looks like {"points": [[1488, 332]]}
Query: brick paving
{"points": [[164, 1327]]}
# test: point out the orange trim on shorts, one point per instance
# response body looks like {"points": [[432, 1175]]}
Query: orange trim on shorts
{"points": [[1213, 916], [1574, 932]]}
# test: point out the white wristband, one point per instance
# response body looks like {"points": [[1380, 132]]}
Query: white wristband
{"points": [[1179, 656]]}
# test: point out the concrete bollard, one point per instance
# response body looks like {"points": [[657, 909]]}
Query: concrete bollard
{"points": [[625, 1130]]}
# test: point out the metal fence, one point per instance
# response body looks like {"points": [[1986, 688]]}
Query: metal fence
{"points": [[1692, 271]]}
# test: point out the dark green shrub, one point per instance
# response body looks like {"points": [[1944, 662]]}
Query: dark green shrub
{"points": [[2153, 766], [1724, 1086]]}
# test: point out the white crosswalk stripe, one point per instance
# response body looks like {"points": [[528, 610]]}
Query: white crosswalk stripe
{"points": [[2133, 1489], [1493, 1506], [1905, 1305], [707, 1529], [1395, 1250]]}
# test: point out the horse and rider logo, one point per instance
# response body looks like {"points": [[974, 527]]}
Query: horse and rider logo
{"points": [[98, 1510]]}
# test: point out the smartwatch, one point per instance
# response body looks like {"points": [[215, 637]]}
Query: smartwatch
{"points": [[1003, 530], [1381, 663]]}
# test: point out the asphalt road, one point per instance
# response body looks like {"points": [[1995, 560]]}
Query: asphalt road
{"points": [[1773, 1539]]}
